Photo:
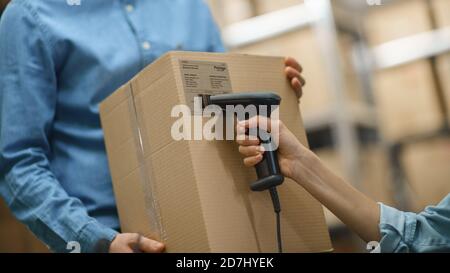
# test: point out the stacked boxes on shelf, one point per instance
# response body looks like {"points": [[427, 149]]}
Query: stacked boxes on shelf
{"points": [[318, 100], [376, 182], [426, 164], [304, 46], [226, 12], [406, 98]]}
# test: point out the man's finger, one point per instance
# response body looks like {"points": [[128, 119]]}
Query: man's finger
{"points": [[297, 86], [150, 246], [289, 61], [253, 160], [292, 72], [302, 81]]}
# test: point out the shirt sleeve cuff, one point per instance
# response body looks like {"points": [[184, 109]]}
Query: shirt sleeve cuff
{"points": [[391, 217], [95, 237], [396, 229]]}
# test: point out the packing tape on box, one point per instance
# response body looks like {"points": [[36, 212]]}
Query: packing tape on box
{"points": [[151, 202]]}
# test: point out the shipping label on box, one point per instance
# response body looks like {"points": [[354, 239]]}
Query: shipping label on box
{"points": [[204, 78]]}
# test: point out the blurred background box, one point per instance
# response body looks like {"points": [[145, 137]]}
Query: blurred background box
{"points": [[441, 10], [376, 184], [426, 165], [231, 11], [375, 168], [12, 239], [396, 19], [406, 100], [14, 236], [304, 46], [406, 96], [264, 6]]}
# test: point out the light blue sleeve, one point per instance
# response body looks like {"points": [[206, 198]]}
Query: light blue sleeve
{"points": [[428, 231], [28, 89]]}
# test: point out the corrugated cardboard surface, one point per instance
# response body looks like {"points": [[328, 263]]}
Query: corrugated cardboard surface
{"points": [[200, 188]]}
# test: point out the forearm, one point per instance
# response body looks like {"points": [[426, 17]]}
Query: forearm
{"points": [[53, 216], [355, 209]]}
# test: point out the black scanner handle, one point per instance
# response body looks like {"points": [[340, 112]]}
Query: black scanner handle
{"points": [[267, 170]]}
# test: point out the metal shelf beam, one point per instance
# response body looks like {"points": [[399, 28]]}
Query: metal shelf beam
{"points": [[411, 48], [266, 26], [359, 114]]}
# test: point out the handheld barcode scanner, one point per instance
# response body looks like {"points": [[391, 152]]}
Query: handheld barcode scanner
{"points": [[268, 170]]}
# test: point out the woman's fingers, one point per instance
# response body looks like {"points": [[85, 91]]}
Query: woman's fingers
{"points": [[256, 121], [252, 160], [251, 150], [289, 61], [248, 142]]}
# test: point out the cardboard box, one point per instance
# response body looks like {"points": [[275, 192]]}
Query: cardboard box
{"points": [[406, 101], [194, 195], [389, 21], [14, 236], [441, 10], [405, 93], [265, 6], [227, 12], [426, 165], [304, 46]]}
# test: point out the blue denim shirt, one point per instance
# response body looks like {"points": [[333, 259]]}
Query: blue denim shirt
{"points": [[428, 231], [57, 62]]}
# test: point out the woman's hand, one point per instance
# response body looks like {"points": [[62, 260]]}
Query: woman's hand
{"points": [[297, 162], [290, 150], [134, 243], [293, 72]]}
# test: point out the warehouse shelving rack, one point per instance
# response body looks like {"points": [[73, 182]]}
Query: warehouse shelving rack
{"points": [[343, 119], [401, 51]]}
